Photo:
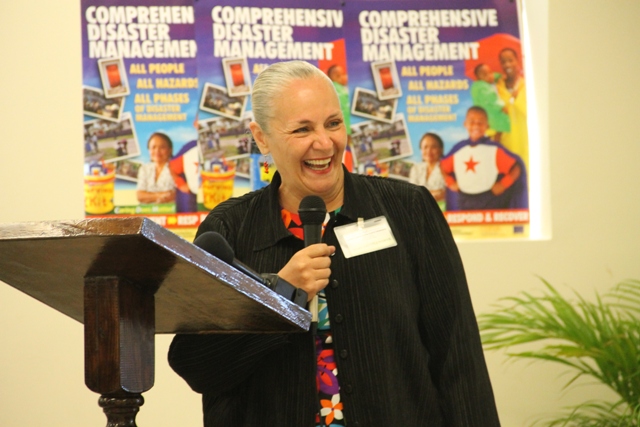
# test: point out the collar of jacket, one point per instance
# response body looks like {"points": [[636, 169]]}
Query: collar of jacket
{"points": [[358, 202]]}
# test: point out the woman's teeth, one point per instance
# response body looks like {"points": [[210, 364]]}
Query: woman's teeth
{"points": [[318, 164]]}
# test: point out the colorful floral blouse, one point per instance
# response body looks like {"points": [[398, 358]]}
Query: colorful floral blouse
{"points": [[330, 406]]}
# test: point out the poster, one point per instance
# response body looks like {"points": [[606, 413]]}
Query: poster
{"points": [[140, 99], [431, 95], [426, 65]]}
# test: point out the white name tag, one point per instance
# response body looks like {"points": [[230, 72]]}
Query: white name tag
{"points": [[364, 237]]}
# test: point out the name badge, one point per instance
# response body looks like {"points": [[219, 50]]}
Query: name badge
{"points": [[364, 237]]}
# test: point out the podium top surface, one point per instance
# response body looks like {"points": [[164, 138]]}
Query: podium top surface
{"points": [[194, 291]]}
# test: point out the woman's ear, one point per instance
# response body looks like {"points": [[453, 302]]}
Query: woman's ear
{"points": [[259, 137]]}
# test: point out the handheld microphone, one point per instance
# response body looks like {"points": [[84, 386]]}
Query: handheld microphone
{"points": [[216, 245], [312, 211]]}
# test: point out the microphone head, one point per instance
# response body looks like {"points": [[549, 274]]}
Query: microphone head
{"points": [[216, 245], [312, 210]]}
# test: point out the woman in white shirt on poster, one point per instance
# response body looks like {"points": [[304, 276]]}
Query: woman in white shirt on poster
{"points": [[428, 172], [155, 182]]}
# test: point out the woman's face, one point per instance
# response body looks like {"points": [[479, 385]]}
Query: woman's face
{"points": [[306, 138], [509, 63], [431, 151], [159, 150]]}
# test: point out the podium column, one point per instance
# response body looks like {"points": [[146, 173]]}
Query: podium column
{"points": [[119, 327]]}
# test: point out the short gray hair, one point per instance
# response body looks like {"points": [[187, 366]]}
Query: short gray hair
{"points": [[270, 82]]}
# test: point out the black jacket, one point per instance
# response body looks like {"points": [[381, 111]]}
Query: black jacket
{"points": [[405, 335]]}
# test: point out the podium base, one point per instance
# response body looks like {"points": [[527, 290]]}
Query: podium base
{"points": [[121, 409]]}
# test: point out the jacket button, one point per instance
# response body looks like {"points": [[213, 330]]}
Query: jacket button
{"points": [[334, 283], [344, 353], [348, 388], [338, 318]]}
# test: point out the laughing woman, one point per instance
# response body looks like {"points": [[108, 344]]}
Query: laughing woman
{"points": [[397, 343]]}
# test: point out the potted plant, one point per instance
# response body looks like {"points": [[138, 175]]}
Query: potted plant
{"points": [[600, 340]]}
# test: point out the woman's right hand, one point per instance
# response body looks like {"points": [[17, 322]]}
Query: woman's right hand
{"points": [[453, 186], [309, 269], [166, 196]]}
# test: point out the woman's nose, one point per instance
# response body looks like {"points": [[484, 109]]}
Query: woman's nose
{"points": [[323, 140]]}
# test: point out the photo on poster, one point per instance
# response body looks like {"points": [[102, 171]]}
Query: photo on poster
{"points": [[262, 169], [386, 80], [215, 100], [366, 104], [108, 141], [400, 169], [95, 104], [114, 77], [237, 76], [243, 167], [127, 169], [381, 142], [221, 137], [374, 168]]}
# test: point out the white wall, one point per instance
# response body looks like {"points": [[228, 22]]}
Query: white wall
{"points": [[593, 152]]}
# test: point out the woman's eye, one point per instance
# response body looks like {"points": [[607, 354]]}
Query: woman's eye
{"points": [[335, 123], [300, 130]]}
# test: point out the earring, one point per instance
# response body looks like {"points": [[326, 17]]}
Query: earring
{"points": [[266, 166]]}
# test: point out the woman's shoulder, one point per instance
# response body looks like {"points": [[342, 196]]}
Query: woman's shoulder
{"points": [[236, 214], [239, 206], [146, 167], [419, 166], [407, 205], [390, 189]]}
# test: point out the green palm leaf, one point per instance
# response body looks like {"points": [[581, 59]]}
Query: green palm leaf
{"points": [[598, 340]]}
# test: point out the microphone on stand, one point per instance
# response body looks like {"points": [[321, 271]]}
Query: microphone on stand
{"points": [[216, 245], [312, 212]]}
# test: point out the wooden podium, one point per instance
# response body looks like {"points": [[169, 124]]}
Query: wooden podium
{"points": [[127, 279]]}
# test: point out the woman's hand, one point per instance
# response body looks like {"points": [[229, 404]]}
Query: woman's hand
{"points": [[155, 197], [184, 187], [309, 269], [453, 186], [166, 196], [438, 194]]}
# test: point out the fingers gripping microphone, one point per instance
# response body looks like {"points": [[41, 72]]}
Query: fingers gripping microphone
{"points": [[217, 246], [312, 212]]}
